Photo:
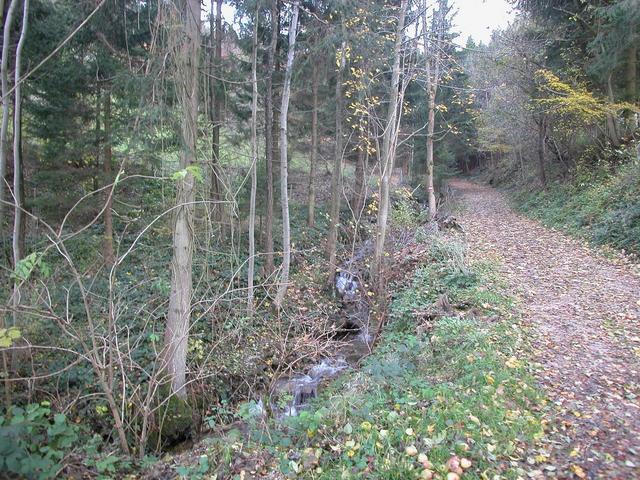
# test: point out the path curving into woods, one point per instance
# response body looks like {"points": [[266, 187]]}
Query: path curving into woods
{"points": [[584, 314]]}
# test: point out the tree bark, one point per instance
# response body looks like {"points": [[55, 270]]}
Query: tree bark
{"points": [[632, 74], [542, 132], [254, 163], [284, 194], [430, 128], [360, 193], [269, 144], [632, 82], [311, 201], [215, 110], [336, 175], [433, 57], [388, 149], [4, 153], [108, 251], [4, 73], [186, 59], [612, 124], [18, 228]]}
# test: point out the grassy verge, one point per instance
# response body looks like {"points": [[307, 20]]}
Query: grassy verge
{"points": [[438, 394], [604, 209]]}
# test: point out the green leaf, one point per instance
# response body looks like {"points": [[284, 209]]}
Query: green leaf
{"points": [[13, 333], [179, 175], [196, 171]]}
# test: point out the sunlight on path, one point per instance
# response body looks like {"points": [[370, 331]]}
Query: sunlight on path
{"points": [[584, 311]]}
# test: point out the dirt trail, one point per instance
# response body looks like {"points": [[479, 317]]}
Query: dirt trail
{"points": [[584, 311]]}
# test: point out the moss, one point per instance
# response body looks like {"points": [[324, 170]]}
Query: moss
{"points": [[174, 422]]}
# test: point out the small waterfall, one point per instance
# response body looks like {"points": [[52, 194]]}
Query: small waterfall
{"points": [[290, 395], [303, 388]]}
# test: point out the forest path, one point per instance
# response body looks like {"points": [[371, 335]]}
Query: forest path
{"points": [[583, 310]]}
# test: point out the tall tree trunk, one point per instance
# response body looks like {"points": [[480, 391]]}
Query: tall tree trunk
{"points": [[6, 98], [4, 153], [612, 124], [632, 84], [284, 194], [98, 135], [18, 178], [632, 74], [311, 202], [186, 60], [519, 154], [336, 176], [254, 162], [277, 100], [269, 134], [542, 132], [358, 194], [108, 251], [433, 49], [217, 101], [430, 128], [388, 148]]}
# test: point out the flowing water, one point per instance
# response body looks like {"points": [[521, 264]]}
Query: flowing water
{"points": [[291, 395]]}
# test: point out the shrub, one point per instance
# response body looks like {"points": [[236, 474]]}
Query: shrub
{"points": [[33, 442]]}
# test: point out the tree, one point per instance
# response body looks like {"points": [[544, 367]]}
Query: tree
{"points": [[389, 143], [18, 179], [269, 135], [4, 73], [336, 175], [434, 56], [254, 161], [284, 193], [217, 102], [313, 155], [185, 54], [108, 252]]}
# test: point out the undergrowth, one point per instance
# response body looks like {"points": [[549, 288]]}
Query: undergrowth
{"points": [[434, 388], [604, 207]]}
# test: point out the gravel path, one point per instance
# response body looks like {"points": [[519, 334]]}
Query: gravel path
{"points": [[584, 311]]}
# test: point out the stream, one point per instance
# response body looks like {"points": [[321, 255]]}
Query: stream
{"points": [[292, 394]]}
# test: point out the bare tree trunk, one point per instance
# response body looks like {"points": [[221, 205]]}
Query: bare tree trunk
{"points": [[612, 124], [433, 49], [4, 153], [108, 251], [542, 131], [631, 81], [215, 110], [277, 100], [519, 154], [254, 163], [336, 176], [360, 184], [388, 148], [311, 203], [269, 134], [186, 55], [4, 73], [430, 128], [632, 74], [284, 194], [18, 218]]}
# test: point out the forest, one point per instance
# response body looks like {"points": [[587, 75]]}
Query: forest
{"points": [[321, 239]]}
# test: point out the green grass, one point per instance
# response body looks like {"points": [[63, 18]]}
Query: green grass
{"points": [[459, 387], [604, 209]]}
